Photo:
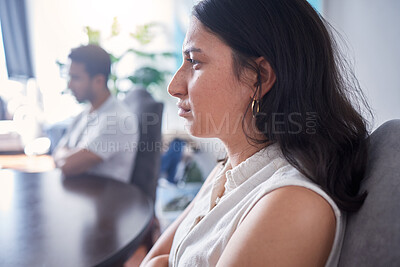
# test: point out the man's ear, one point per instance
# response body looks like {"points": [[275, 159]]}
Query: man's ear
{"points": [[99, 80], [267, 75]]}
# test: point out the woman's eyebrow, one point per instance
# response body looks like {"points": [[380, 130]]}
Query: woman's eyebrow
{"points": [[192, 50]]}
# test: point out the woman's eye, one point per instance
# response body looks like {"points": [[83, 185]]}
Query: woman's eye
{"points": [[192, 61]]}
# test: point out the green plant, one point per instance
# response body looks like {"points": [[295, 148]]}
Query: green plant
{"points": [[147, 75]]}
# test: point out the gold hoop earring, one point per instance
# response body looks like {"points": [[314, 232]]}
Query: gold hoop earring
{"points": [[255, 106]]}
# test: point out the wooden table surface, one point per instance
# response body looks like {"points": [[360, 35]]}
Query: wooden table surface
{"points": [[49, 220], [26, 163]]}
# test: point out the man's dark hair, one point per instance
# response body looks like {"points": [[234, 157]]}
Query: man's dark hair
{"points": [[95, 59]]}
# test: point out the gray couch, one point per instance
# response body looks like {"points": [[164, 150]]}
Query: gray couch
{"points": [[372, 235]]}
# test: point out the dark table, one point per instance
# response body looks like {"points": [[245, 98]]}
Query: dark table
{"points": [[47, 220]]}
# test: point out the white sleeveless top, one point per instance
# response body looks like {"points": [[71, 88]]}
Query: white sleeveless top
{"points": [[204, 233]]}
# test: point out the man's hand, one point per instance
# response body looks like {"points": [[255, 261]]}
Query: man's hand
{"points": [[75, 161], [61, 154]]}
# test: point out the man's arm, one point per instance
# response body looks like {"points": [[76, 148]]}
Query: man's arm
{"points": [[75, 161]]}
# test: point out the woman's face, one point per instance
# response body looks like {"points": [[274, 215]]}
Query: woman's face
{"points": [[211, 99]]}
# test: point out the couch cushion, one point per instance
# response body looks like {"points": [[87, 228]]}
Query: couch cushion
{"points": [[372, 235]]}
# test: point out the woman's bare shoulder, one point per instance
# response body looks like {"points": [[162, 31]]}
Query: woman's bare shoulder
{"points": [[290, 226]]}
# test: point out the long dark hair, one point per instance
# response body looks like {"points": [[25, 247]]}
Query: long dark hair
{"points": [[308, 111]]}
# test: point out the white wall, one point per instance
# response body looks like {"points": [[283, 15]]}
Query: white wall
{"points": [[372, 30]]}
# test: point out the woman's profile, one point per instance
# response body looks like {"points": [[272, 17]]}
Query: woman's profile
{"points": [[266, 78]]}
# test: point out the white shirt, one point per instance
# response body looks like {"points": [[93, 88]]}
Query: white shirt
{"points": [[204, 233], [110, 132]]}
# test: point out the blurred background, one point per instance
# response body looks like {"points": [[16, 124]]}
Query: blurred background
{"points": [[144, 39], [37, 36]]}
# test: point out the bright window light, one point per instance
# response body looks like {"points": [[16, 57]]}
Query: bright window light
{"points": [[3, 68], [317, 4]]}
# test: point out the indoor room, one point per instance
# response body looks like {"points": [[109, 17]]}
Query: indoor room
{"points": [[199, 133]]}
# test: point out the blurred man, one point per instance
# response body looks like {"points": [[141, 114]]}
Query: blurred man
{"points": [[102, 138]]}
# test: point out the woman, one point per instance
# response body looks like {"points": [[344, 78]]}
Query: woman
{"points": [[265, 78]]}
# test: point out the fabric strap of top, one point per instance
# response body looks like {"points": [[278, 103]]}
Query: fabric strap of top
{"points": [[218, 187], [217, 191]]}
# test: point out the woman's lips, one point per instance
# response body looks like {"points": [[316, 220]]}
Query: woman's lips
{"points": [[183, 111], [184, 108]]}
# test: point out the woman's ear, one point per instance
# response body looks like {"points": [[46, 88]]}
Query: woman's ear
{"points": [[267, 75]]}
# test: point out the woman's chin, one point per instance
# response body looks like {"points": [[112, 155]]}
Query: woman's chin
{"points": [[196, 132], [191, 130]]}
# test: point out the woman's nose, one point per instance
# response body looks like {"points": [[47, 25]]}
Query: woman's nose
{"points": [[178, 86]]}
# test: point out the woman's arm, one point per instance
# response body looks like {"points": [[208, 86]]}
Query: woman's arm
{"points": [[291, 226], [159, 261], [162, 247]]}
